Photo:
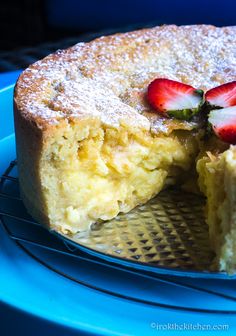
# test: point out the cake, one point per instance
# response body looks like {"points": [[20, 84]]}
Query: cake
{"points": [[89, 144]]}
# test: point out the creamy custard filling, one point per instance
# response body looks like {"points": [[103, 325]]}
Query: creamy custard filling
{"points": [[92, 173]]}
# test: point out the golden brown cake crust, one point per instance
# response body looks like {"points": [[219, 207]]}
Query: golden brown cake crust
{"points": [[107, 78]]}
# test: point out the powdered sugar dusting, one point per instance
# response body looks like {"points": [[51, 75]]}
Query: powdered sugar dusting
{"points": [[107, 78]]}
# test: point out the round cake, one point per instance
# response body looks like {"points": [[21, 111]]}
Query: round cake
{"points": [[89, 145]]}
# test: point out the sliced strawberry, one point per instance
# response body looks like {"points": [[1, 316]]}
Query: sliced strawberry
{"points": [[174, 99], [222, 96], [223, 122]]}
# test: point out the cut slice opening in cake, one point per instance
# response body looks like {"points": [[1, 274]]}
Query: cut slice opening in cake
{"points": [[93, 172]]}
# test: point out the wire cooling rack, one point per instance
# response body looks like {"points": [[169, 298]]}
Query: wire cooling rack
{"points": [[105, 275]]}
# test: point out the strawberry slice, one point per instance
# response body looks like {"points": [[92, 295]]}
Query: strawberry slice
{"points": [[174, 99], [222, 96], [223, 122]]}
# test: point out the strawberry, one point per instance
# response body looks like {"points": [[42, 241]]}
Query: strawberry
{"points": [[223, 122], [222, 96], [174, 99]]}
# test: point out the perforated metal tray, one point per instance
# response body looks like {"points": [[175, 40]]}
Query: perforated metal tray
{"points": [[167, 232]]}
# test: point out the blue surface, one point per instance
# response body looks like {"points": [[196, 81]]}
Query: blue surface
{"points": [[7, 81], [63, 306], [8, 78]]}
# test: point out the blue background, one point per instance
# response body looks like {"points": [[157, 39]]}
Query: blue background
{"points": [[98, 14]]}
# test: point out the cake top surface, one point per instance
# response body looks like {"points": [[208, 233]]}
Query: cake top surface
{"points": [[107, 78]]}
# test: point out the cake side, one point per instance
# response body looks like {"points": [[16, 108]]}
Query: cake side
{"points": [[29, 145], [217, 180], [227, 214]]}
